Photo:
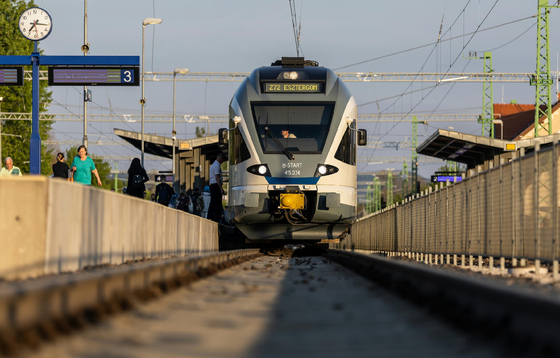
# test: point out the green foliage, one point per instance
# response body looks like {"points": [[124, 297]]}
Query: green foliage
{"points": [[200, 132], [18, 99], [103, 169]]}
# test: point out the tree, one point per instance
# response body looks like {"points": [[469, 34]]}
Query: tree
{"points": [[19, 98], [200, 132]]}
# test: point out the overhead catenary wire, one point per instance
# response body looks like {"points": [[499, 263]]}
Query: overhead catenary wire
{"points": [[450, 66], [293, 13], [424, 88], [433, 43]]}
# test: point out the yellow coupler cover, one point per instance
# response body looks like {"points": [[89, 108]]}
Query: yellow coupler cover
{"points": [[292, 201]]}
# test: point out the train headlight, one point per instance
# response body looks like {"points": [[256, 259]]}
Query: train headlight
{"points": [[292, 75], [325, 169], [259, 169]]}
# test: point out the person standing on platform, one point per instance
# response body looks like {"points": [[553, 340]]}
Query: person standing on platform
{"points": [[203, 202], [83, 166], [137, 176], [164, 192], [60, 169], [183, 201], [194, 198], [216, 190], [9, 169]]}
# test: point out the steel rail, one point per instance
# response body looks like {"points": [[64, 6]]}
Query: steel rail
{"points": [[493, 308], [26, 304]]}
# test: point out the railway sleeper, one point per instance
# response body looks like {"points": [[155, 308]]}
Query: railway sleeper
{"points": [[14, 341], [523, 324]]}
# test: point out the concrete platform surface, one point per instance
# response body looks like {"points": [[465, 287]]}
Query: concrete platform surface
{"points": [[273, 307]]}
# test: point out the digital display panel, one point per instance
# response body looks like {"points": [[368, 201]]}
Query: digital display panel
{"points": [[160, 177], [444, 178], [11, 76], [307, 87], [93, 76]]}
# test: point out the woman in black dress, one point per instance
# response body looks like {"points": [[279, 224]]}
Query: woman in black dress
{"points": [[60, 169], [137, 176]]}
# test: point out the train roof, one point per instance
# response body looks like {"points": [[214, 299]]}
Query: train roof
{"points": [[310, 68]]}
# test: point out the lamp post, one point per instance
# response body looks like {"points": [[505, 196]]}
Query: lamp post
{"points": [[175, 72], [147, 21], [501, 123]]}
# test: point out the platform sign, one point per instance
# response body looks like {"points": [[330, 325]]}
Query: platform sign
{"points": [[11, 76], [93, 76], [161, 177], [444, 178]]}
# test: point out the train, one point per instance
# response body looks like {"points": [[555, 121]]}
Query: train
{"points": [[292, 150]]}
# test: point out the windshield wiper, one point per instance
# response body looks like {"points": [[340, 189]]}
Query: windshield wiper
{"points": [[279, 144]]}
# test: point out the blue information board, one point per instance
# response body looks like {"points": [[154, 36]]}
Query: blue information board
{"points": [[11, 76], [444, 178], [93, 76]]}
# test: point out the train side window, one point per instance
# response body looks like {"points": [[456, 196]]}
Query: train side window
{"points": [[346, 151], [239, 150]]}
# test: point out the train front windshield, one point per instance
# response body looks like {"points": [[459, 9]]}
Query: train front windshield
{"points": [[297, 128]]}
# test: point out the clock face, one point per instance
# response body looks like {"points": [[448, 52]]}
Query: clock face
{"points": [[35, 24]]}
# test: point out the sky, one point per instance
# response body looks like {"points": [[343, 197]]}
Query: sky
{"points": [[239, 36]]}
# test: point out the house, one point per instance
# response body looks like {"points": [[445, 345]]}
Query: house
{"points": [[519, 120]]}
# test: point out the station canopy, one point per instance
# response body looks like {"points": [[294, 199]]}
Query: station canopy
{"points": [[465, 148], [163, 146]]}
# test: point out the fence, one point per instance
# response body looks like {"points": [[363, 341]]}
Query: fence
{"points": [[509, 211]]}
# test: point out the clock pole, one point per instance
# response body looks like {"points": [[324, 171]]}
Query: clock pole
{"points": [[35, 144]]}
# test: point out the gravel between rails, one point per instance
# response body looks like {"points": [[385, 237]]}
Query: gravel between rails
{"points": [[274, 306]]}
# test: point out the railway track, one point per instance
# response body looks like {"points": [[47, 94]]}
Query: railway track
{"points": [[285, 303]]}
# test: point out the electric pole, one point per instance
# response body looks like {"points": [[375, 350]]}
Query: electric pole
{"points": [[542, 79], [487, 94]]}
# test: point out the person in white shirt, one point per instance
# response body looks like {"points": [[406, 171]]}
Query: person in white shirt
{"points": [[216, 190], [10, 169]]}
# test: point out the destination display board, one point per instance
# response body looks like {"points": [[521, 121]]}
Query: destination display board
{"points": [[93, 76], [444, 178], [11, 76], [307, 87]]}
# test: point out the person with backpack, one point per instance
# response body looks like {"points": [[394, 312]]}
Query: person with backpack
{"points": [[183, 201], [164, 192], [137, 176], [194, 198]]}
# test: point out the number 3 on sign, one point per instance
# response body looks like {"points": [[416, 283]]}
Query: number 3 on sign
{"points": [[127, 76]]}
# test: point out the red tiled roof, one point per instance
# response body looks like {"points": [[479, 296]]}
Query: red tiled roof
{"points": [[516, 118]]}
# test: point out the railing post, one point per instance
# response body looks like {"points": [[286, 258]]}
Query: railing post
{"points": [[555, 207], [502, 260], [536, 191], [479, 211]]}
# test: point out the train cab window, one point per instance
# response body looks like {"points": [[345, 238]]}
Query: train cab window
{"points": [[299, 128], [346, 151], [239, 151]]}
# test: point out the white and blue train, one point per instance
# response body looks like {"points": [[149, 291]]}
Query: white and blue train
{"points": [[292, 154]]}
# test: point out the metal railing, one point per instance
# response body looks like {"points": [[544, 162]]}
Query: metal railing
{"points": [[509, 211]]}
